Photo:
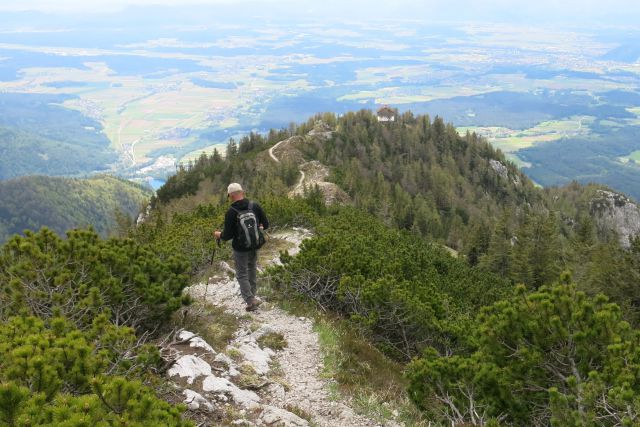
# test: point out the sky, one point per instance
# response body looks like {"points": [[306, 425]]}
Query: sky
{"points": [[609, 12]]}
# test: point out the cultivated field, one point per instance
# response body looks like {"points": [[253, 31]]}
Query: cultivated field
{"points": [[510, 141]]}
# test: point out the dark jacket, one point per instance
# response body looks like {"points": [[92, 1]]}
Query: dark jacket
{"points": [[231, 221]]}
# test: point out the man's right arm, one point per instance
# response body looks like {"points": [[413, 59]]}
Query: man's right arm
{"points": [[229, 225]]}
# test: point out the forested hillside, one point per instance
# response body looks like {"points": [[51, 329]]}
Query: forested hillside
{"points": [[38, 136], [415, 174], [419, 175], [66, 203]]}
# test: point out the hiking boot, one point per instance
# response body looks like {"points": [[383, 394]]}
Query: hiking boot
{"points": [[253, 303]]}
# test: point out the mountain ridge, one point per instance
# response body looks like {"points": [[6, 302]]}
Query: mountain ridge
{"points": [[407, 330]]}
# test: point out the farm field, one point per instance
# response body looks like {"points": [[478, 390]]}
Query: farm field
{"points": [[635, 156], [510, 141]]}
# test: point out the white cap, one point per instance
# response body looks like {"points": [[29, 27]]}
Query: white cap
{"points": [[234, 188]]}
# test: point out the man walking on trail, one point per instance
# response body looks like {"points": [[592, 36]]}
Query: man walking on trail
{"points": [[244, 223]]}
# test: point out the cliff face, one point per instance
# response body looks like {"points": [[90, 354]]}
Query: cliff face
{"points": [[616, 211]]}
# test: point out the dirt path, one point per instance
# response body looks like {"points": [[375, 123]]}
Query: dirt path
{"points": [[273, 156], [296, 385], [299, 188]]}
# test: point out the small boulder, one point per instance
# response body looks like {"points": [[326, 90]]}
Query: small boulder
{"points": [[196, 342], [215, 384], [191, 367], [195, 401], [273, 416]]}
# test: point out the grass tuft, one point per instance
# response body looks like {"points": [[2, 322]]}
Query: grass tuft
{"points": [[299, 412], [234, 354], [361, 372], [273, 340], [249, 378], [212, 323]]}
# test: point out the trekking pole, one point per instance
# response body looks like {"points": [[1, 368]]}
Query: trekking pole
{"points": [[213, 254]]}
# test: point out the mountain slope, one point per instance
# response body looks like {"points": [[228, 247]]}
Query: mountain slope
{"points": [[416, 174], [65, 203], [419, 175], [379, 267], [39, 136]]}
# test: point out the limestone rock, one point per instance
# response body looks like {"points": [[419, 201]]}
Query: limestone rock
{"points": [[196, 342], [321, 129], [499, 168], [258, 358], [195, 401], [191, 367], [616, 211], [215, 384], [314, 173], [276, 417]]}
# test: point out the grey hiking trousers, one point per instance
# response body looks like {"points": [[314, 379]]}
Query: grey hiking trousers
{"points": [[246, 272]]}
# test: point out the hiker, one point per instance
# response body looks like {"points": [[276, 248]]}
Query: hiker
{"points": [[244, 222]]}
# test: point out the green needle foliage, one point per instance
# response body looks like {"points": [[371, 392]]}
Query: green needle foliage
{"points": [[480, 352], [405, 292], [190, 234], [56, 375], [552, 357], [74, 317], [84, 276]]}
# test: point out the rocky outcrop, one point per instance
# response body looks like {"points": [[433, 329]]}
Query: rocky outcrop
{"points": [[321, 129], [273, 416], [502, 170], [499, 168], [286, 150], [189, 367], [314, 174], [617, 212]]}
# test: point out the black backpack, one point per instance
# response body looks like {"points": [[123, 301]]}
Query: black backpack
{"points": [[248, 233]]}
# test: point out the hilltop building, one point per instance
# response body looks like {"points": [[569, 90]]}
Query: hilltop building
{"points": [[386, 114]]}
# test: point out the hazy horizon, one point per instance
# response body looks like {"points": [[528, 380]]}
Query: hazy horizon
{"points": [[589, 12]]}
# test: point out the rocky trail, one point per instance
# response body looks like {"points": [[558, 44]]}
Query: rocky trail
{"points": [[247, 383], [312, 173]]}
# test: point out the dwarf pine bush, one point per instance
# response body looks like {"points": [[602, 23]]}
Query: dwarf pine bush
{"points": [[74, 316], [83, 276]]}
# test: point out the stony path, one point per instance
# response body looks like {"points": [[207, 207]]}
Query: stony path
{"points": [[301, 365], [300, 388], [272, 149], [210, 379]]}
